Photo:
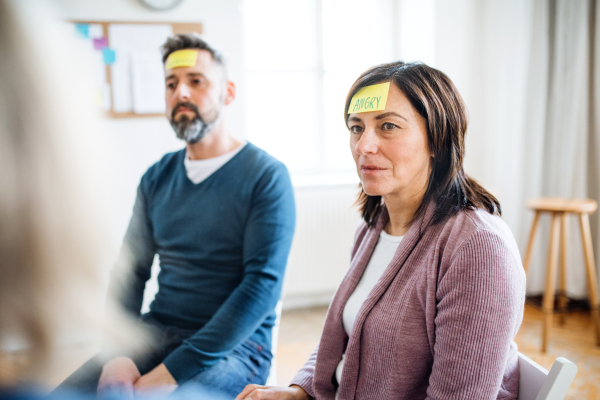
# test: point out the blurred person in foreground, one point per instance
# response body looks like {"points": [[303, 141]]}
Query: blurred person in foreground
{"points": [[52, 232], [53, 235], [435, 291], [220, 215]]}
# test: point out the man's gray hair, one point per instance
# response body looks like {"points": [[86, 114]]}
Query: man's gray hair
{"points": [[190, 40]]}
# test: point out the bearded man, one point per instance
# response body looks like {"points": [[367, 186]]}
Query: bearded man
{"points": [[220, 214]]}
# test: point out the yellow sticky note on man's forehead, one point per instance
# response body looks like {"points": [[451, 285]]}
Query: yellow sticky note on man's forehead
{"points": [[182, 58], [370, 98]]}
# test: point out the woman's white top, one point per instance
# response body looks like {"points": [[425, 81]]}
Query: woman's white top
{"points": [[382, 256], [199, 170]]}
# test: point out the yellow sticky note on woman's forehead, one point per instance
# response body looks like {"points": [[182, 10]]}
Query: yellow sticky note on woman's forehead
{"points": [[370, 98], [182, 58]]}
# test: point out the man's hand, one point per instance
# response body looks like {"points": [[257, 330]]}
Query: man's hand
{"points": [[258, 392], [119, 374], [159, 379]]}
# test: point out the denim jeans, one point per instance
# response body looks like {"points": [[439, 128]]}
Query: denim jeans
{"points": [[244, 365], [247, 363]]}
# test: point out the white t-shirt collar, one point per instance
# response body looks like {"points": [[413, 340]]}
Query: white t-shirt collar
{"points": [[198, 170]]}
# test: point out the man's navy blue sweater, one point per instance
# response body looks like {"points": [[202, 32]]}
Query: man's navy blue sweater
{"points": [[223, 246]]}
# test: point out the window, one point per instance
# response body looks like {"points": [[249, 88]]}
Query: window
{"points": [[301, 57]]}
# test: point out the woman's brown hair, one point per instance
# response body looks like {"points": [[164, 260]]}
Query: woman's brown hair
{"points": [[435, 97]]}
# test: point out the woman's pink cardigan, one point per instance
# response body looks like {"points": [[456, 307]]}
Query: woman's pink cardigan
{"points": [[439, 323]]}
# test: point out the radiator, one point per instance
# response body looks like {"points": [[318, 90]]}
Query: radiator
{"points": [[320, 255]]}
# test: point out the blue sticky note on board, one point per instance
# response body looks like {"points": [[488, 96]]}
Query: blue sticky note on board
{"points": [[83, 30], [109, 55]]}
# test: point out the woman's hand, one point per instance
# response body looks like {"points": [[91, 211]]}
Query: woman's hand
{"points": [[258, 392]]}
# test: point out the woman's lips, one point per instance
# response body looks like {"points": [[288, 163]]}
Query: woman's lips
{"points": [[370, 169]]}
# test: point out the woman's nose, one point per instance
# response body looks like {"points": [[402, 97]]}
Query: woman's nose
{"points": [[367, 144]]}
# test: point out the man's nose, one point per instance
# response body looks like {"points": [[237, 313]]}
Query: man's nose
{"points": [[368, 142], [183, 91]]}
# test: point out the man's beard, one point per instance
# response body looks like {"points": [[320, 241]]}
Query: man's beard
{"points": [[192, 131]]}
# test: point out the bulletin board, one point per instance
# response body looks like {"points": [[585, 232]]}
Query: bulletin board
{"points": [[114, 55]]}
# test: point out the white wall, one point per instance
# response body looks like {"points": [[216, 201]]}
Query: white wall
{"points": [[457, 53], [478, 44], [320, 254], [484, 48]]}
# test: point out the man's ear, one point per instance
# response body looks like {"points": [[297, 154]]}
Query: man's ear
{"points": [[229, 92]]}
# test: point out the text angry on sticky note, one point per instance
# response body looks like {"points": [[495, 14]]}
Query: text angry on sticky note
{"points": [[370, 98]]}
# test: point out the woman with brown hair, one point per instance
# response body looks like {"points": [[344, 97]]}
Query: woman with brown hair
{"points": [[435, 291]]}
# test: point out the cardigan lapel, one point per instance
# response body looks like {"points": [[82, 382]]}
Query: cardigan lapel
{"points": [[333, 338], [405, 248]]}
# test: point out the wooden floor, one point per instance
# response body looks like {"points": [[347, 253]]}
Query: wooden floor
{"points": [[574, 340], [300, 330]]}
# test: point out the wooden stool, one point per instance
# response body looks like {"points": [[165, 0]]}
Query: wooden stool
{"points": [[559, 209]]}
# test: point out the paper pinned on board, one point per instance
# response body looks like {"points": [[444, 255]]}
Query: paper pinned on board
{"points": [[95, 31], [125, 39], [370, 98], [106, 97], [147, 82], [92, 56]]}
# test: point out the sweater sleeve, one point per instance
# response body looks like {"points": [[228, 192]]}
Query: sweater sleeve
{"points": [[132, 269], [267, 241], [480, 300], [304, 377]]}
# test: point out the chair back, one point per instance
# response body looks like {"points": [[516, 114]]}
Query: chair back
{"points": [[272, 379], [536, 383]]}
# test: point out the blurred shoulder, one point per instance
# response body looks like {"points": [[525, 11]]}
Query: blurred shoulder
{"points": [[36, 393]]}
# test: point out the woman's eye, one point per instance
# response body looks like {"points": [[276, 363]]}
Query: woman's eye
{"points": [[356, 129], [170, 85], [388, 126]]}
